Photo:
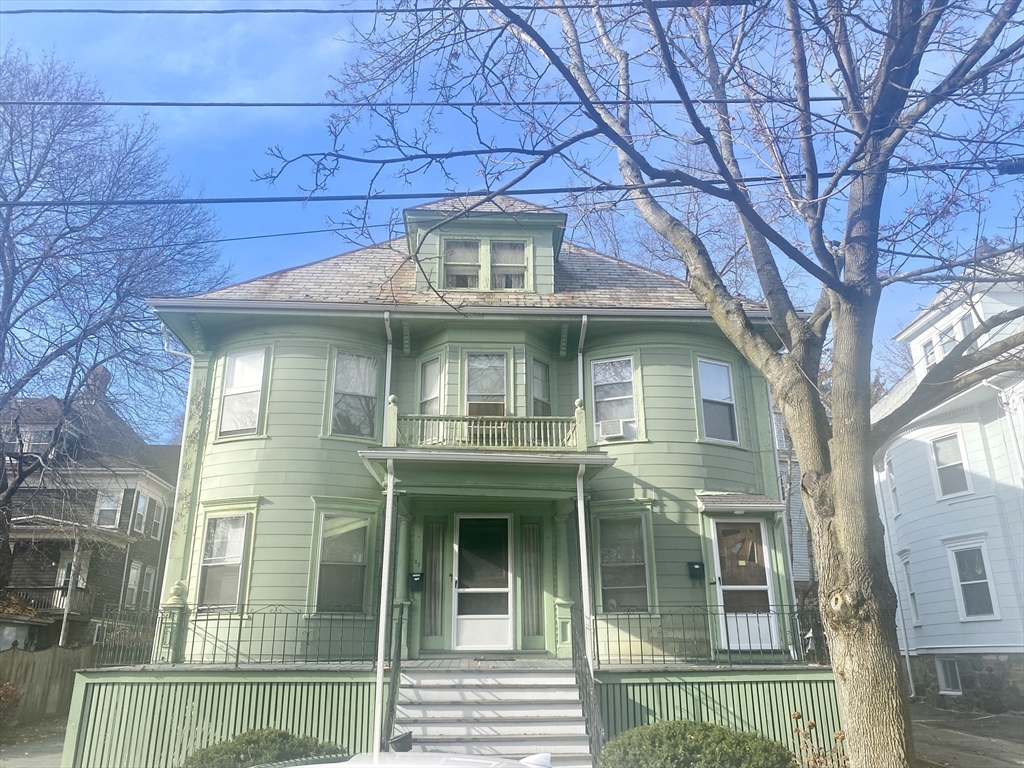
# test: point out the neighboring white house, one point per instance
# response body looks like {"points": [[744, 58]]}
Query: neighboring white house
{"points": [[951, 490]]}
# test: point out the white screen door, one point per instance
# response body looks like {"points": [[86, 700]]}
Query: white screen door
{"points": [[744, 586], [483, 583]]}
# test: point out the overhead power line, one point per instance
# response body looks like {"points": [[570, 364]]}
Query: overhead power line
{"points": [[347, 104], [346, 11], [396, 196]]}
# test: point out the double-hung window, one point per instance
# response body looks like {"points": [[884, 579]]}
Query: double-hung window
{"points": [[462, 264], [508, 266], [541, 388], [947, 338], [718, 405], [970, 573], [148, 583], [108, 508], [485, 384], [950, 471], [243, 389], [139, 514], [890, 479], [341, 579], [614, 403], [929, 354], [430, 387], [157, 527], [622, 559], [131, 591], [355, 395], [966, 329], [220, 578], [911, 592]]}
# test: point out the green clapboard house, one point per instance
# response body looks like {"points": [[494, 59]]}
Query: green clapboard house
{"points": [[585, 529]]}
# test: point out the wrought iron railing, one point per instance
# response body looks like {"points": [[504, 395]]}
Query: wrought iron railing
{"points": [[538, 433], [585, 682], [686, 634], [394, 678], [54, 599], [256, 634]]}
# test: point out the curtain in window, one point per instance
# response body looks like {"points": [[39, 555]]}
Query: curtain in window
{"points": [[461, 264], [485, 377], [508, 266]]}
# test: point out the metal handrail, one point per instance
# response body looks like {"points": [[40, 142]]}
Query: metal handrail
{"points": [[585, 682], [394, 680]]}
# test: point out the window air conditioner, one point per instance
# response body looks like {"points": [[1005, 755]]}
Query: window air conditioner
{"points": [[611, 429]]}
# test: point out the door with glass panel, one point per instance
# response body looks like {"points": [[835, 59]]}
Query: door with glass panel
{"points": [[483, 583], [744, 586], [485, 397]]}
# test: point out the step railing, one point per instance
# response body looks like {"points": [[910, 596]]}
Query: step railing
{"points": [[394, 679], [585, 682]]}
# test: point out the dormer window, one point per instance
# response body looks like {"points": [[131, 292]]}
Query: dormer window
{"points": [[461, 264], [485, 265], [929, 354]]}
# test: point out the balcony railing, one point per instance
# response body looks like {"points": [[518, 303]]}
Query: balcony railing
{"points": [[506, 433], [258, 634], [709, 634], [53, 599]]}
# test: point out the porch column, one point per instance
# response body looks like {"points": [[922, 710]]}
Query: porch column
{"points": [[563, 619], [581, 512], [402, 576]]}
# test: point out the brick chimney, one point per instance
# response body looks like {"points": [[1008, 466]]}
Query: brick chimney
{"points": [[96, 383]]}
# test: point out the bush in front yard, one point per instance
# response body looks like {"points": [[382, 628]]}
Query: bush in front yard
{"points": [[259, 747], [686, 744], [9, 698]]}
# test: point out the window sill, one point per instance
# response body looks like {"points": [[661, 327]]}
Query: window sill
{"points": [[239, 438], [723, 443], [951, 693], [605, 443], [972, 619], [376, 441], [955, 496]]}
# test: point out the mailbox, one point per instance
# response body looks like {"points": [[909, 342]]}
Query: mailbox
{"points": [[696, 571], [415, 582]]}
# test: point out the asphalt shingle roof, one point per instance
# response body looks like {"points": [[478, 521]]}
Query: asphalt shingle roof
{"points": [[499, 204], [384, 274]]}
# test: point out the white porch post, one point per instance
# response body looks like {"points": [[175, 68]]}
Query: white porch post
{"points": [[384, 616], [581, 513], [69, 594]]}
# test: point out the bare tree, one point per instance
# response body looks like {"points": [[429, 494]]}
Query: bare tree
{"points": [[849, 139], [75, 274]]}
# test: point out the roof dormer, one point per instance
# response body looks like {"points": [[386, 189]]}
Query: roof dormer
{"points": [[501, 245]]}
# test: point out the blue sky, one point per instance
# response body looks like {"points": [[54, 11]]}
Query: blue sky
{"points": [[238, 58]]}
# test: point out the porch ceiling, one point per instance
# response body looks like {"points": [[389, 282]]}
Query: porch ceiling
{"points": [[486, 473]]}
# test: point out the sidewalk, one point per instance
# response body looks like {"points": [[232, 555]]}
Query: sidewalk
{"points": [[968, 739], [36, 746]]}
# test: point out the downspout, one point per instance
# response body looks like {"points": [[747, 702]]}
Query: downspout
{"points": [[384, 614], [124, 573], [788, 548], [387, 359], [167, 345], [67, 597], [581, 514], [880, 500], [579, 358]]}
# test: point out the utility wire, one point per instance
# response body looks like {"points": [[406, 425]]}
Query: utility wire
{"points": [[346, 104]]}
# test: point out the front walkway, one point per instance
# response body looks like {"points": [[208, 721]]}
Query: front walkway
{"points": [[968, 739]]}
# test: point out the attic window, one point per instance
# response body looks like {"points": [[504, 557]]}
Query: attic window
{"points": [[508, 266], [485, 265], [462, 264]]}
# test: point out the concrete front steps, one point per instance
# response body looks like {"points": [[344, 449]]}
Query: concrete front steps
{"points": [[509, 713]]}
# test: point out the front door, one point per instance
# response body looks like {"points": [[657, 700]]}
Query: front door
{"points": [[483, 583], [744, 586]]}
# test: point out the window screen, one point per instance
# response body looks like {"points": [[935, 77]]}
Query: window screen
{"points": [[355, 395], [623, 565], [243, 384], [485, 385], [223, 548], [341, 585]]}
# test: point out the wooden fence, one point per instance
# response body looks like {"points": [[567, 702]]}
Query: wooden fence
{"points": [[44, 678]]}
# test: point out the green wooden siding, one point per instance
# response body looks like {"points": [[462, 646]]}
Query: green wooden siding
{"points": [[762, 701], [148, 718]]}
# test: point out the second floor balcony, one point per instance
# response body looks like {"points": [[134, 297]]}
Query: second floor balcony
{"points": [[52, 600], [491, 433]]}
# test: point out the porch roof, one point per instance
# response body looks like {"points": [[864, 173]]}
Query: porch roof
{"points": [[717, 501]]}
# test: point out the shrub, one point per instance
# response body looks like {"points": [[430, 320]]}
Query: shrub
{"points": [[685, 744], [9, 698], [259, 747]]}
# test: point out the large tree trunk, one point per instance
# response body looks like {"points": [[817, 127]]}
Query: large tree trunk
{"points": [[857, 600]]}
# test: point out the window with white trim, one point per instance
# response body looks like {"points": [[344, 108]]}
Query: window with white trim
{"points": [[139, 513], [108, 508], [341, 578], [131, 590], [220, 576], [969, 564], [148, 583], [541, 388], [929, 354], [157, 525], [890, 479], [966, 329], [356, 383], [718, 404], [911, 593], [947, 340], [622, 560], [485, 384], [243, 392], [462, 264], [947, 457], [614, 399], [949, 676], [430, 387]]}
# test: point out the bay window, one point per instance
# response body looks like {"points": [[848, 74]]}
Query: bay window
{"points": [[622, 560], [355, 395], [242, 396], [614, 404], [341, 579], [485, 384], [220, 577], [718, 403]]}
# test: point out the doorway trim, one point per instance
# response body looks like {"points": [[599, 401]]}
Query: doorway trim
{"points": [[511, 602], [737, 640]]}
